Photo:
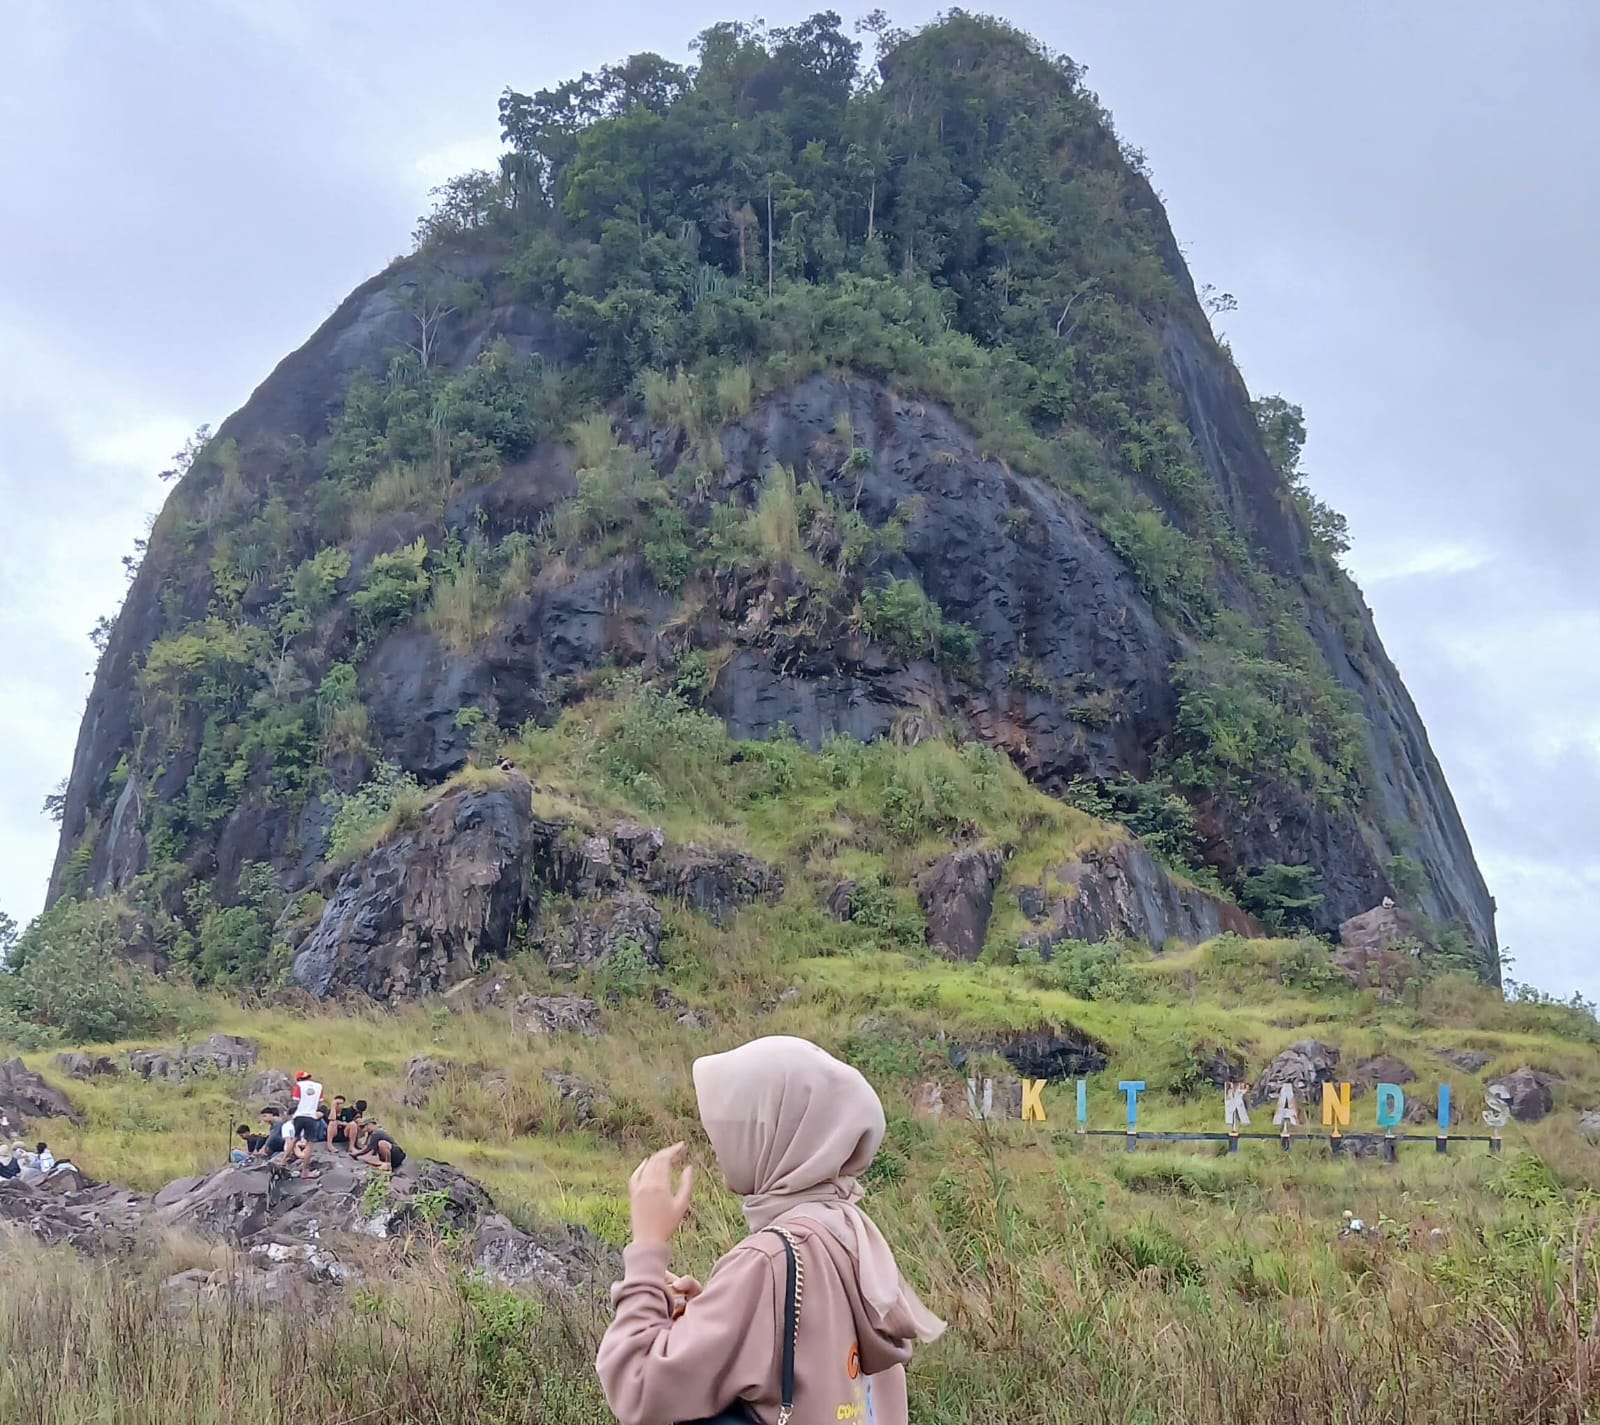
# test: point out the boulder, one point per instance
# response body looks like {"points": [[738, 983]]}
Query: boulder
{"points": [[1589, 1122], [424, 910], [1122, 892], [273, 1084], [79, 1065], [841, 900], [1219, 1065], [690, 1018], [556, 1014], [957, 896], [220, 1054], [422, 1075], [1306, 1066], [1382, 1069], [1527, 1091], [24, 1095], [577, 1095], [1469, 1061], [1379, 929]]}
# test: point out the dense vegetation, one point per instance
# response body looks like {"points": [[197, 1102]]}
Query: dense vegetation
{"points": [[957, 219]]}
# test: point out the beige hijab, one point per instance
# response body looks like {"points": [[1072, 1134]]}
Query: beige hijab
{"points": [[793, 1128]]}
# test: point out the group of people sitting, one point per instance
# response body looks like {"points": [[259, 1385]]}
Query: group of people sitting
{"points": [[16, 1161], [311, 1121]]}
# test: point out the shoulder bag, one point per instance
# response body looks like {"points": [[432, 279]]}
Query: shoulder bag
{"points": [[739, 1413]]}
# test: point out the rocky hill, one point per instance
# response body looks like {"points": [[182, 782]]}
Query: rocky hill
{"points": [[827, 401]]}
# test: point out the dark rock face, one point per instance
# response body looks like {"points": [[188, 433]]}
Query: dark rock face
{"points": [[1305, 1066], [1060, 1052], [86, 1066], [1469, 1061], [419, 912], [957, 896], [1122, 892], [422, 1075], [1527, 1091], [1382, 1069], [24, 1096], [1013, 557]]}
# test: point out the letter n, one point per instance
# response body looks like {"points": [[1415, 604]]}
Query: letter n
{"points": [[1336, 1106]]}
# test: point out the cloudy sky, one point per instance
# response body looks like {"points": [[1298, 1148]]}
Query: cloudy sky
{"points": [[1402, 198]]}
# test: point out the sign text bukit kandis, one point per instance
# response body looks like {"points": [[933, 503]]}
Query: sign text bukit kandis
{"points": [[1389, 1105]]}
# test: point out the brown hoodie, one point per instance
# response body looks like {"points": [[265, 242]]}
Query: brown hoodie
{"points": [[727, 1346], [793, 1129]]}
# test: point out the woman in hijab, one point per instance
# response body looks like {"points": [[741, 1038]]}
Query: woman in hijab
{"points": [[9, 1166], [793, 1130]]}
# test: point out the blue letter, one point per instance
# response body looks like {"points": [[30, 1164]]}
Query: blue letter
{"points": [[1391, 1105], [1444, 1108], [1083, 1102], [1133, 1088]]}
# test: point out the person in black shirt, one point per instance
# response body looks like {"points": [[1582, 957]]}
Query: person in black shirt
{"points": [[341, 1126], [377, 1148], [248, 1144], [9, 1166]]}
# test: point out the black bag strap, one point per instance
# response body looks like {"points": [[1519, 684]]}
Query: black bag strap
{"points": [[795, 1286]]}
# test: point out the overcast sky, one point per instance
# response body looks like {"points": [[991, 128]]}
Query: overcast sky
{"points": [[1402, 198]]}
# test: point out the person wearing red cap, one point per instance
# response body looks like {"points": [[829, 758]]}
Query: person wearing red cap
{"points": [[307, 1100]]}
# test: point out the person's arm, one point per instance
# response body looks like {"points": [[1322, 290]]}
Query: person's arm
{"points": [[655, 1370]]}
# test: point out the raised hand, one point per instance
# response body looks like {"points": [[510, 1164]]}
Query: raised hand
{"points": [[657, 1206]]}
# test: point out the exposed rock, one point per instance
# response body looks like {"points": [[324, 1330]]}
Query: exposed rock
{"points": [[590, 932], [841, 901], [1219, 1065], [578, 1096], [1059, 1052], [664, 999], [1122, 892], [1528, 1093], [556, 1014], [1379, 947], [61, 1214], [24, 1095], [715, 883], [1381, 928], [1382, 1069], [220, 1054], [930, 1100], [1589, 1122], [422, 1076], [1469, 1061], [425, 909], [1306, 1066], [957, 896], [79, 1065], [274, 1084]]}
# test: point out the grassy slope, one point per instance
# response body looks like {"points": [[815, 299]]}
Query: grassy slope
{"points": [[1082, 1282]]}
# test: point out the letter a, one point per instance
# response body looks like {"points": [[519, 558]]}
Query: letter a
{"points": [[1234, 1113], [1032, 1102], [1288, 1113]]}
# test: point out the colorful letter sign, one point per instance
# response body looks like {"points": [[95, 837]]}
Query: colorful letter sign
{"points": [[1288, 1113], [1032, 1102], [1336, 1107], [1234, 1113], [1133, 1088], [1391, 1105]]}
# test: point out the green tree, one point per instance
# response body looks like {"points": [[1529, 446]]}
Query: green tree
{"points": [[66, 976]]}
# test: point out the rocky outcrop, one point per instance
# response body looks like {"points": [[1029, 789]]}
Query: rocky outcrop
{"points": [[1527, 1093], [424, 909], [25, 1096], [1305, 1066], [1381, 1069], [556, 1014], [1380, 947], [278, 1219], [1053, 1053], [588, 932], [274, 1084], [220, 1054], [957, 896], [1469, 1061], [79, 1065], [1122, 892], [422, 1075]]}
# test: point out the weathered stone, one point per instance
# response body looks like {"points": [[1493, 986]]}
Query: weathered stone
{"points": [[422, 1076], [424, 910], [1380, 948], [1306, 1066], [591, 932], [930, 1100], [556, 1014], [714, 883], [274, 1084], [1219, 1065], [841, 901], [24, 1096], [1469, 1061], [957, 896], [1527, 1092], [1589, 1122], [1381, 928], [578, 1096], [220, 1054], [1122, 892], [1382, 1069], [79, 1065]]}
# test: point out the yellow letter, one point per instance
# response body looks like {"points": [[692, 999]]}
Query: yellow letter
{"points": [[1336, 1106], [1032, 1103]]}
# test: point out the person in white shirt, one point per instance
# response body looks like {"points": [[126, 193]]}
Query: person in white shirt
{"points": [[44, 1159], [307, 1100]]}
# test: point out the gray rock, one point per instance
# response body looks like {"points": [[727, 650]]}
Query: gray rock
{"points": [[1122, 892], [79, 1065], [557, 1014], [25, 1096], [1589, 1122], [591, 931], [424, 910], [1379, 929], [1469, 1061], [714, 883], [1056, 1053], [957, 896], [220, 1054], [1382, 1069], [578, 1096], [1306, 1066], [1528, 1093], [273, 1084], [422, 1076]]}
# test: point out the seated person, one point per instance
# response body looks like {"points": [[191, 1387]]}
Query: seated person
{"points": [[320, 1129], [358, 1115], [9, 1166], [44, 1159], [377, 1148], [277, 1128], [249, 1144], [341, 1124]]}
